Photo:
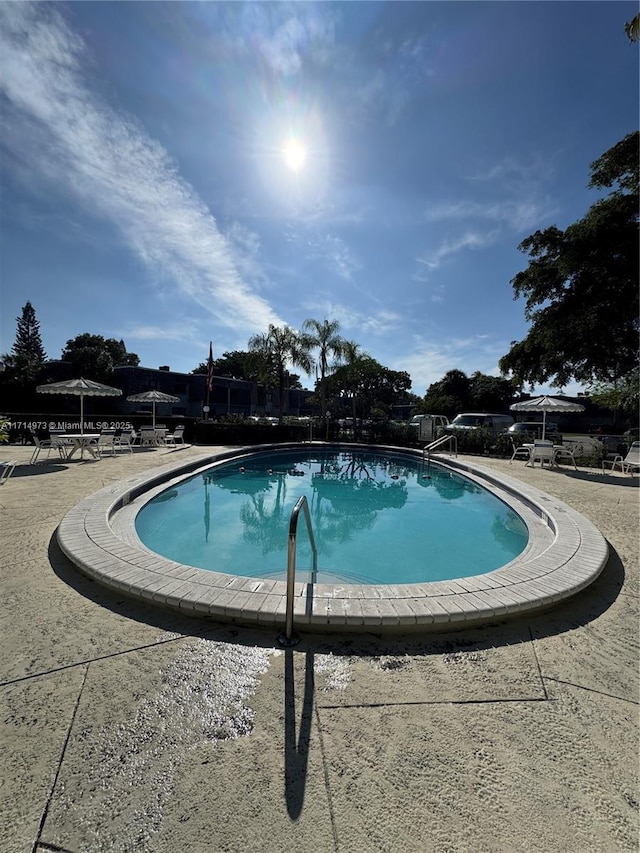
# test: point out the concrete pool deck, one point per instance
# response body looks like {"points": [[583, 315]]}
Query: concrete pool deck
{"points": [[127, 727]]}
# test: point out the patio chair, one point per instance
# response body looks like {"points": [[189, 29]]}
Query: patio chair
{"points": [[626, 463], [63, 444], [174, 437], [45, 444], [105, 443], [561, 452], [148, 437], [520, 451], [543, 452], [125, 440]]}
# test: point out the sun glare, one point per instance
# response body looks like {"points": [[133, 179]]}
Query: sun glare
{"points": [[295, 154]]}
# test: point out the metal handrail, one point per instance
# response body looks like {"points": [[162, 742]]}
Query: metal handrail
{"points": [[449, 437], [288, 638]]}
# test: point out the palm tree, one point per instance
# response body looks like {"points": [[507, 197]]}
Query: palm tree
{"points": [[324, 337], [352, 354], [279, 347]]}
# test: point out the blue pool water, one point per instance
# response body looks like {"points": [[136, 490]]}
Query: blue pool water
{"points": [[377, 518]]}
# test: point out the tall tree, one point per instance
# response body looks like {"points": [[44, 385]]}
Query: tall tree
{"points": [[372, 388], [490, 393], [95, 357], [232, 364], [622, 397], [449, 396], [275, 350], [323, 337], [581, 285], [24, 362]]}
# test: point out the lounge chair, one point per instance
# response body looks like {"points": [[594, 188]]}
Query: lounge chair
{"points": [[626, 463], [543, 452], [7, 470], [175, 437]]}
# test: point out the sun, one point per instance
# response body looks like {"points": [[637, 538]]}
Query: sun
{"points": [[294, 153]]}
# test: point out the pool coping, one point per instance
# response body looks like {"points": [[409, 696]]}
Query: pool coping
{"points": [[550, 569]]}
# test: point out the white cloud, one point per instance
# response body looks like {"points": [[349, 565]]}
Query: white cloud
{"points": [[511, 193], [80, 145], [355, 321], [183, 331], [429, 360], [334, 253], [470, 240], [512, 214], [284, 35]]}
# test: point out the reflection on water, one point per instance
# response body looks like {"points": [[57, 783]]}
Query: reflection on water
{"points": [[376, 518]]}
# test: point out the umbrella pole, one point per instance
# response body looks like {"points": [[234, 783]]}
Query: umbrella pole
{"points": [[81, 416], [154, 414], [544, 424]]}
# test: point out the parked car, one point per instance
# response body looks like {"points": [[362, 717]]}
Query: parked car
{"points": [[481, 420], [534, 430]]}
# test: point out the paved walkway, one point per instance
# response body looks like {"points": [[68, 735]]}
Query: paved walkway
{"points": [[126, 728]]}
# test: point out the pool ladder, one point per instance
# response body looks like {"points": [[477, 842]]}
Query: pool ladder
{"points": [[288, 638], [449, 439]]}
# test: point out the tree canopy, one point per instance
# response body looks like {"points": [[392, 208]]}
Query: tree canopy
{"points": [[581, 285], [372, 388], [232, 364], [95, 357], [456, 392]]}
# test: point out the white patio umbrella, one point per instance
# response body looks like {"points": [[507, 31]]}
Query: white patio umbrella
{"points": [[547, 404], [80, 388], [153, 397]]}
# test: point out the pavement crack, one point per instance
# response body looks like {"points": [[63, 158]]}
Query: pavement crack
{"points": [[45, 811], [89, 661], [535, 655], [594, 690], [524, 699]]}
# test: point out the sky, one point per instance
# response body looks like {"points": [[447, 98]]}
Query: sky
{"points": [[178, 173]]}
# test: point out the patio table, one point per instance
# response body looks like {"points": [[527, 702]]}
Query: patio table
{"points": [[81, 442], [530, 462]]}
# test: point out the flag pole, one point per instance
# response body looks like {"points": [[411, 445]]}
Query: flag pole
{"points": [[209, 375]]}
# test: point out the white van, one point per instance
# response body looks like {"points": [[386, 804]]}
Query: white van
{"points": [[428, 425], [481, 420]]}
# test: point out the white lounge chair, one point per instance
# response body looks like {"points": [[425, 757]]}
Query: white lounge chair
{"points": [[175, 437], [626, 463], [7, 470], [543, 452]]}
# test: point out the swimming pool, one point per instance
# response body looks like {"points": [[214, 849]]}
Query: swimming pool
{"points": [[564, 554], [377, 518]]}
